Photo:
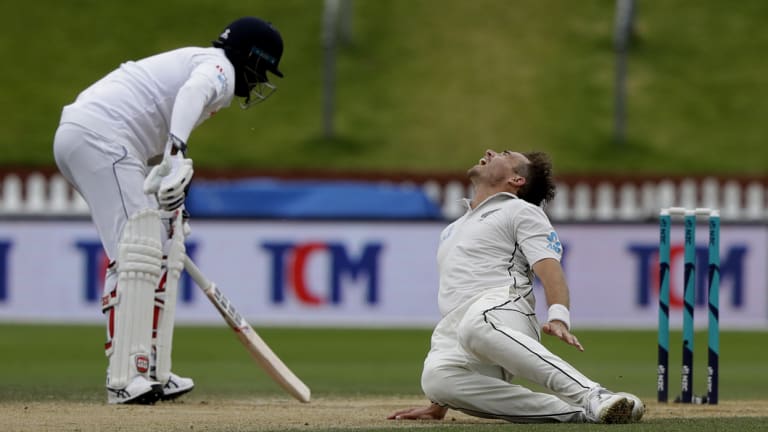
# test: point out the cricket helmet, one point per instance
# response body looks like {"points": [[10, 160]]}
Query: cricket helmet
{"points": [[253, 46]]}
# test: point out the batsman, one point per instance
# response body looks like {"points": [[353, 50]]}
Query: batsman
{"points": [[123, 145]]}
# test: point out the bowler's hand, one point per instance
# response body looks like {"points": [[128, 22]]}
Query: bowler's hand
{"points": [[432, 412], [558, 329]]}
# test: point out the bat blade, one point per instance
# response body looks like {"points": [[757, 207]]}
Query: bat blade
{"points": [[259, 350]]}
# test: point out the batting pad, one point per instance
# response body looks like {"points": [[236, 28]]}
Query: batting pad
{"points": [[165, 301], [139, 263]]}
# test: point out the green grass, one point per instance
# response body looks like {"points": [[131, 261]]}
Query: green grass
{"points": [[68, 361], [52, 361], [64, 362], [426, 85]]}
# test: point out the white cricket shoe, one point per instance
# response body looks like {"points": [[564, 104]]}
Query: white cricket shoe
{"points": [[139, 391], [176, 386], [638, 410], [604, 406]]}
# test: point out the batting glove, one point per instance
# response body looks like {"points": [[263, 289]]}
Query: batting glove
{"points": [[170, 180]]}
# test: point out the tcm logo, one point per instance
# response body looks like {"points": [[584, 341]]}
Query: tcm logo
{"points": [[95, 264], [732, 262], [319, 273]]}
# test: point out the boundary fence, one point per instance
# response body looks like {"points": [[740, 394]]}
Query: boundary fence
{"points": [[579, 199]]}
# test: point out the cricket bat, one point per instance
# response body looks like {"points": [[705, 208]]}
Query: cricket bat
{"points": [[255, 345]]}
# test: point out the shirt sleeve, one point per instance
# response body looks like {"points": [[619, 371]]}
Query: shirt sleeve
{"points": [[536, 236], [205, 85]]}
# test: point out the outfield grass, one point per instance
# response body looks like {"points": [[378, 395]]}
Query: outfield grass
{"points": [[68, 361], [426, 85], [44, 363]]}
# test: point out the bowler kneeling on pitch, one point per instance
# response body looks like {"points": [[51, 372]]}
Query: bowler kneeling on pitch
{"points": [[489, 336]]}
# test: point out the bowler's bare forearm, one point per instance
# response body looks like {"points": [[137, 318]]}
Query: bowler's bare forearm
{"points": [[550, 273]]}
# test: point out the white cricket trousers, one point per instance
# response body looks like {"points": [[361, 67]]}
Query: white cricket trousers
{"points": [[478, 349], [110, 179]]}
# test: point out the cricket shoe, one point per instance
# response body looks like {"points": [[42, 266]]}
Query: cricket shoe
{"points": [[176, 386], [638, 410], [139, 391], [604, 406]]}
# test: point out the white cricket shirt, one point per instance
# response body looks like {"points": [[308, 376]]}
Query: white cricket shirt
{"points": [[491, 246], [141, 102]]}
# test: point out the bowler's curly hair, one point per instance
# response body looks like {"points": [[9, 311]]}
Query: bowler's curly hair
{"points": [[539, 188]]}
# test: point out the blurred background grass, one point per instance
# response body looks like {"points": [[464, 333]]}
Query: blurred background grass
{"points": [[424, 85]]}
